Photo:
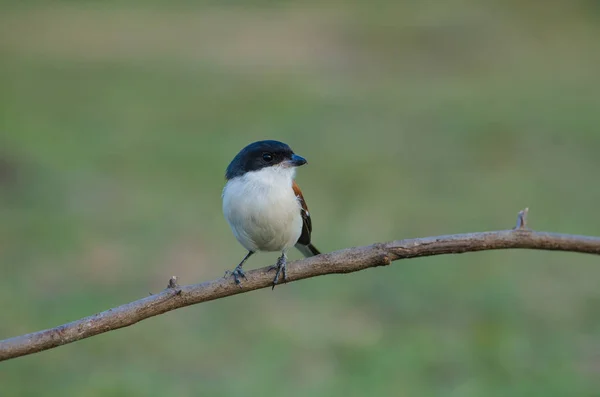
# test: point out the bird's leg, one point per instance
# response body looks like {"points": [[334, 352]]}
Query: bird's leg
{"points": [[238, 271], [280, 266]]}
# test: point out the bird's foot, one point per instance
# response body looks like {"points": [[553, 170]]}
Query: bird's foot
{"points": [[281, 267], [237, 273]]}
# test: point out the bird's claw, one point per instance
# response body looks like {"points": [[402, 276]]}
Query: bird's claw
{"points": [[237, 273], [280, 266]]}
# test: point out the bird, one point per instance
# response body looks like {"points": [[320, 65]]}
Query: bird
{"points": [[264, 205]]}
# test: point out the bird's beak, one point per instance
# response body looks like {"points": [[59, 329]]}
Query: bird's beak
{"points": [[296, 161]]}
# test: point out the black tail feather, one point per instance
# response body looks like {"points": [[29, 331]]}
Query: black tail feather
{"points": [[308, 250]]}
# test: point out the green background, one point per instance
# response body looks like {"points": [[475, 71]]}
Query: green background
{"points": [[118, 119]]}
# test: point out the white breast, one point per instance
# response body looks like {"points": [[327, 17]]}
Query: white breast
{"points": [[263, 210]]}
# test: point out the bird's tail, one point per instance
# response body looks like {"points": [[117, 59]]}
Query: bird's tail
{"points": [[308, 250]]}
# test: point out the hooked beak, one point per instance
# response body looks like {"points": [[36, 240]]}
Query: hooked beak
{"points": [[296, 161]]}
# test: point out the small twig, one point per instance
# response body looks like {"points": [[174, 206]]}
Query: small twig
{"points": [[522, 219], [344, 261], [173, 282]]}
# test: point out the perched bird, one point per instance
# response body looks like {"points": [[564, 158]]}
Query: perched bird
{"points": [[264, 206]]}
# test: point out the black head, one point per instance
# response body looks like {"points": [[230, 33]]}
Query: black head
{"points": [[262, 154]]}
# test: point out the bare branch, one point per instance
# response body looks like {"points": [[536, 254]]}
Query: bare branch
{"points": [[344, 261]]}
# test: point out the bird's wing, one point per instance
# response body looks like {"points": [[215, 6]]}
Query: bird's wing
{"points": [[306, 222]]}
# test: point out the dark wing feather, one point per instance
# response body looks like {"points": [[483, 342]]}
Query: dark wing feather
{"points": [[306, 222]]}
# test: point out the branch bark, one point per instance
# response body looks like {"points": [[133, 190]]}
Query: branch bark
{"points": [[345, 261]]}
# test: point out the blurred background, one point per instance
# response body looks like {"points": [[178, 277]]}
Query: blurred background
{"points": [[418, 118]]}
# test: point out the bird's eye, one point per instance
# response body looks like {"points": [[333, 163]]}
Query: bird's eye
{"points": [[268, 157]]}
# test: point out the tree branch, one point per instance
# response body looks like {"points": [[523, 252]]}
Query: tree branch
{"points": [[344, 261]]}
